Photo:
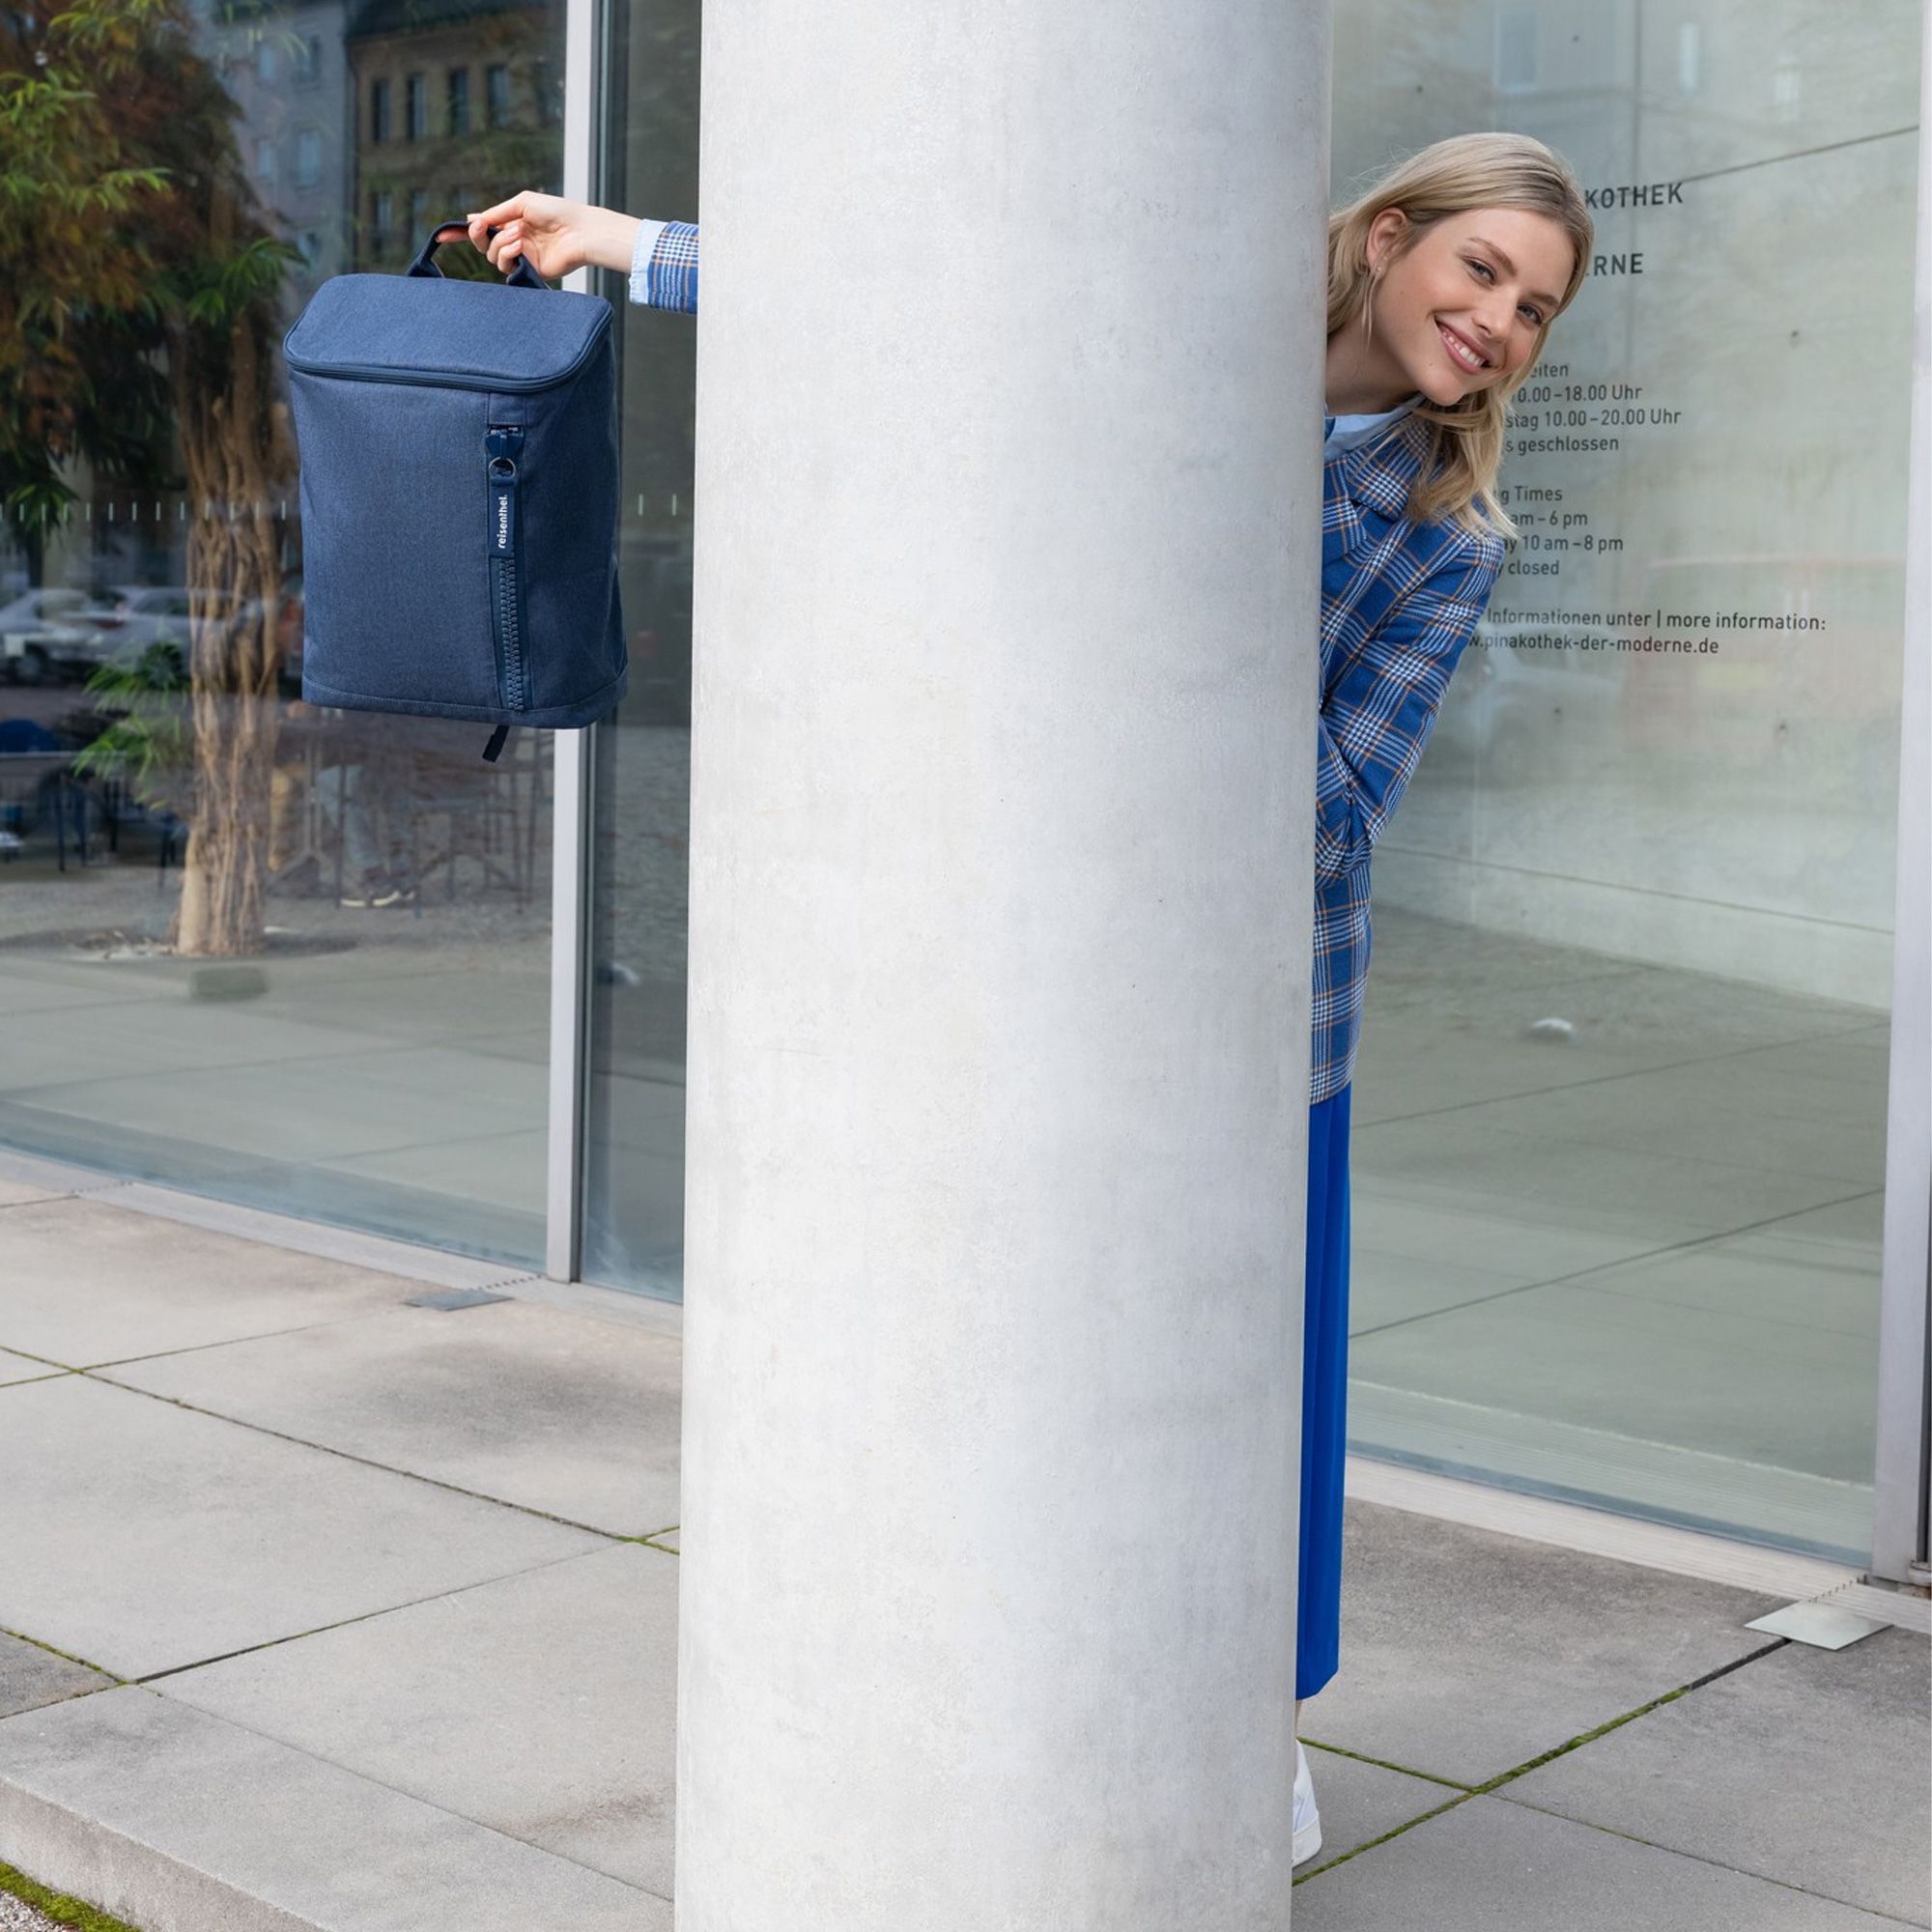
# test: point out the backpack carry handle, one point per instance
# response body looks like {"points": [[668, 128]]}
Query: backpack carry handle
{"points": [[521, 276]]}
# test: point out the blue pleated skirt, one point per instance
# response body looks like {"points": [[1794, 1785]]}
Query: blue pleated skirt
{"points": [[1324, 1395]]}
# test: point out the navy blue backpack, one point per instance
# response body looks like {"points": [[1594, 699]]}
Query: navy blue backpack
{"points": [[459, 496]]}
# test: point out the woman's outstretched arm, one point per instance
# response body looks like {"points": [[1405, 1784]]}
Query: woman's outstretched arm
{"points": [[557, 236]]}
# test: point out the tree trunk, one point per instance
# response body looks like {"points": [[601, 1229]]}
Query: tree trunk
{"points": [[230, 447], [224, 874]]}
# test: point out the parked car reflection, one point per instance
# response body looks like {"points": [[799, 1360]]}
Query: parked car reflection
{"points": [[42, 635], [129, 620]]}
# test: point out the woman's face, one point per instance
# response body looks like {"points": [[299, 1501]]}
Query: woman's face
{"points": [[1462, 311]]}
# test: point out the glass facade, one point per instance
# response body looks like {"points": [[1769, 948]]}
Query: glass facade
{"points": [[1620, 1111], [293, 957]]}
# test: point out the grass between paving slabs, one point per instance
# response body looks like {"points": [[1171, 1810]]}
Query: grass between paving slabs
{"points": [[57, 1905], [1466, 1792]]}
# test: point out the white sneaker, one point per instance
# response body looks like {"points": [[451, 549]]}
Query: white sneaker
{"points": [[1307, 1820]]}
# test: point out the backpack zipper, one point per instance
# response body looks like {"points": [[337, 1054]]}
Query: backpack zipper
{"points": [[504, 445]]}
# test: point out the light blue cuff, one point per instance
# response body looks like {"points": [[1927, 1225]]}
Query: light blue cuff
{"points": [[641, 258]]}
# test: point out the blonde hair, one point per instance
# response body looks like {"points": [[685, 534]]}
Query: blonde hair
{"points": [[1452, 177]]}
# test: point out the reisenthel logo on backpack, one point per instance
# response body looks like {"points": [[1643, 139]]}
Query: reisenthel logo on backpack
{"points": [[503, 519]]}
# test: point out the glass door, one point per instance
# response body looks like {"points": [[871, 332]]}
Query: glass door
{"points": [[1621, 1104], [285, 955]]}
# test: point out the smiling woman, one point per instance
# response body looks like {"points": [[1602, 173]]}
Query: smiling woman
{"points": [[1412, 544]]}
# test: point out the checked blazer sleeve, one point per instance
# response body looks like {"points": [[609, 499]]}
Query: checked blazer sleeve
{"points": [[664, 266], [1376, 715]]}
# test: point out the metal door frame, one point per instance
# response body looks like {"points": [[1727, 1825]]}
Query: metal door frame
{"points": [[570, 849], [1899, 1506]]}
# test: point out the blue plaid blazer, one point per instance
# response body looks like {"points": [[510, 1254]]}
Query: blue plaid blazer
{"points": [[1398, 601]]}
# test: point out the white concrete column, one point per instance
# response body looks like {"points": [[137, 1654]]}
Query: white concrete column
{"points": [[1008, 542]]}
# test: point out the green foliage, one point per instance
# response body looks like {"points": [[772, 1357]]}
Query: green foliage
{"points": [[219, 291], [107, 29], [39, 502], [116, 139], [149, 736], [57, 1905]]}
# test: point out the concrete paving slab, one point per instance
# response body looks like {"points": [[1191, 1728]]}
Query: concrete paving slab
{"points": [[1442, 1054], [91, 1282], [521, 1042], [1420, 1066], [1522, 1237], [1781, 1280], [1858, 1223], [55, 986], [542, 1705], [1416, 949], [1805, 1765], [1386, 1288], [24, 1369], [1359, 1802], [1739, 1108], [30, 1676], [1638, 1017], [162, 1538], [410, 1000], [1489, 1867], [162, 1037], [621, 1305], [509, 1170], [1630, 1191], [1622, 1004], [1724, 1381], [180, 1822], [1765, 1280], [330, 1107], [44, 1179], [1859, 1053], [1826, 1079], [530, 1405], [1465, 1652]]}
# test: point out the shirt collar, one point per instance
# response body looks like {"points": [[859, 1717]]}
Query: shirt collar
{"points": [[1348, 432]]}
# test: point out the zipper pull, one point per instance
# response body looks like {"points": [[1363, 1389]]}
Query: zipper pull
{"points": [[503, 480]]}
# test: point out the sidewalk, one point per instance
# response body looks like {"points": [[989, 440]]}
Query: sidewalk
{"points": [[338, 1591]]}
